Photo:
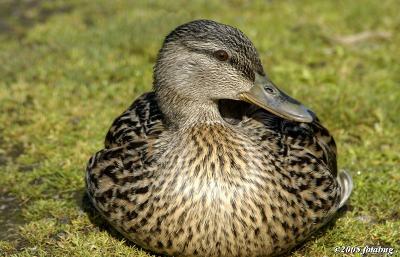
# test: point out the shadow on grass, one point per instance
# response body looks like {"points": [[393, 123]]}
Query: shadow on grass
{"points": [[10, 217], [17, 16]]}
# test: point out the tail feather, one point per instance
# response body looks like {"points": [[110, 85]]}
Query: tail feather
{"points": [[346, 185]]}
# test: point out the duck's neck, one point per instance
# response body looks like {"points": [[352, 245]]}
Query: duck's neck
{"points": [[183, 113]]}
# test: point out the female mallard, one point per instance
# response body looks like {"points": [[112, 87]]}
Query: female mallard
{"points": [[217, 161]]}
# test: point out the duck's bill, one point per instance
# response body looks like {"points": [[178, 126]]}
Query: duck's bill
{"points": [[267, 96]]}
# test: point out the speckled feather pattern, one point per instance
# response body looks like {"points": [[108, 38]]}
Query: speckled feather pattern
{"points": [[256, 188], [186, 172]]}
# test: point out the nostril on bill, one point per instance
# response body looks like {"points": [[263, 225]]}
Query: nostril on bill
{"points": [[269, 90]]}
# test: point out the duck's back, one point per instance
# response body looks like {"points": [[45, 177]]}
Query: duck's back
{"points": [[176, 199]]}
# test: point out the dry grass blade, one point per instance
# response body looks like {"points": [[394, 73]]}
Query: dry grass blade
{"points": [[362, 37]]}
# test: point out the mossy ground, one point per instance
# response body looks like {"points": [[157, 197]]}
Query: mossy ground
{"points": [[68, 68]]}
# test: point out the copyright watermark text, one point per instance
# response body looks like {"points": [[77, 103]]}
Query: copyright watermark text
{"points": [[368, 249]]}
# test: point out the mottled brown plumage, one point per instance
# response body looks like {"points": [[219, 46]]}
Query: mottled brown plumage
{"points": [[191, 170]]}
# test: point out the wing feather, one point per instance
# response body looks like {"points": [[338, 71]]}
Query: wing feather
{"points": [[141, 120], [127, 161]]}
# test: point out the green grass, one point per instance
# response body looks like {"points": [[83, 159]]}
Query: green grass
{"points": [[67, 69]]}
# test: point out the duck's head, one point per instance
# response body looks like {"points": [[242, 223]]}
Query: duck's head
{"points": [[203, 62]]}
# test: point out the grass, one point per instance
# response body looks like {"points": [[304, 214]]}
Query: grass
{"points": [[68, 68]]}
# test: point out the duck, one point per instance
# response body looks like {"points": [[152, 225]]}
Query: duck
{"points": [[216, 160]]}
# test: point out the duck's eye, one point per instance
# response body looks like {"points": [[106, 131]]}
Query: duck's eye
{"points": [[221, 55]]}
